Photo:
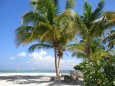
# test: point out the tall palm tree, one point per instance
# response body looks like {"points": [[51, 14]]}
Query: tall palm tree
{"points": [[64, 23], [90, 25], [45, 25], [67, 32], [90, 28]]}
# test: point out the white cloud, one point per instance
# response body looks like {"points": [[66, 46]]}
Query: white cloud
{"points": [[12, 58], [69, 63], [22, 54], [36, 56], [42, 52], [44, 61]]}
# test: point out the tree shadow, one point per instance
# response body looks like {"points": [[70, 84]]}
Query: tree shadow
{"points": [[23, 79], [62, 82], [18, 79]]}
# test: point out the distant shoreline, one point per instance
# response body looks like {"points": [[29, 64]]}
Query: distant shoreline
{"points": [[35, 71]]}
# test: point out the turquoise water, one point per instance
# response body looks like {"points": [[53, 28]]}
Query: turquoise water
{"points": [[34, 71]]}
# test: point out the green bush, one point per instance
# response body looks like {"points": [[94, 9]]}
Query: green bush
{"points": [[98, 73], [78, 67]]}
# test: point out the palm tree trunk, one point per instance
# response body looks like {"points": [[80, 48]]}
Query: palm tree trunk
{"points": [[87, 48], [59, 66], [56, 68]]}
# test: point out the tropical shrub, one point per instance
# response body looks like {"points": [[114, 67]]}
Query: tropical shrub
{"points": [[99, 73], [78, 67]]}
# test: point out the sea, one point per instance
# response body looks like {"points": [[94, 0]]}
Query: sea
{"points": [[36, 71]]}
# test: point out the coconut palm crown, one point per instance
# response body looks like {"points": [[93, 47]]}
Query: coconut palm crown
{"points": [[91, 26]]}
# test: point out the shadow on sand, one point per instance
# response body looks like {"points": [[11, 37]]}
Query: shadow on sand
{"points": [[18, 79]]}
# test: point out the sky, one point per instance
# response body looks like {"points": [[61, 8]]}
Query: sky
{"points": [[12, 57]]}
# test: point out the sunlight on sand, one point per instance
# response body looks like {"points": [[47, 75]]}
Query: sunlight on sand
{"points": [[32, 79]]}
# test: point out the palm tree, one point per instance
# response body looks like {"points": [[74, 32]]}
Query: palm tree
{"points": [[44, 25], [90, 25], [90, 28]]}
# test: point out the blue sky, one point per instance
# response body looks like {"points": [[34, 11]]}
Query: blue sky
{"points": [[13, 57]]}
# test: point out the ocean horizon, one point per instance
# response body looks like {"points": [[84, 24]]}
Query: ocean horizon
{"points": [[35, 71]]}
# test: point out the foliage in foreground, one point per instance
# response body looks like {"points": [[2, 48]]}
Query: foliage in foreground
{"points": [[99, 65], [98, 73]]}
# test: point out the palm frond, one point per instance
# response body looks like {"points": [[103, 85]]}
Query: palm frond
{"points": [[51, 11], [79, 54], [111, 44], [110, 39], [70, 4], [30, 18], [101, 53], [87, 15], [98, 11], [110, 19], [23, 35], [58, 9], [38, 46], [77, 49], [80, 26], [66, 24], [109, 15], [98, 28], [111, 36], [46, 7], [37, 4], [44, 30]]}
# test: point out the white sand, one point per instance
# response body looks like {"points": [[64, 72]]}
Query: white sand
{"points": [[31, 79]]}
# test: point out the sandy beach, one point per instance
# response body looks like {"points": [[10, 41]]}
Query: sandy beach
{"points": [[33, 79]]}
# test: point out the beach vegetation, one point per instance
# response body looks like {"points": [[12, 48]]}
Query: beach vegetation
{"points": [[98, 61], [47, 27]]}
